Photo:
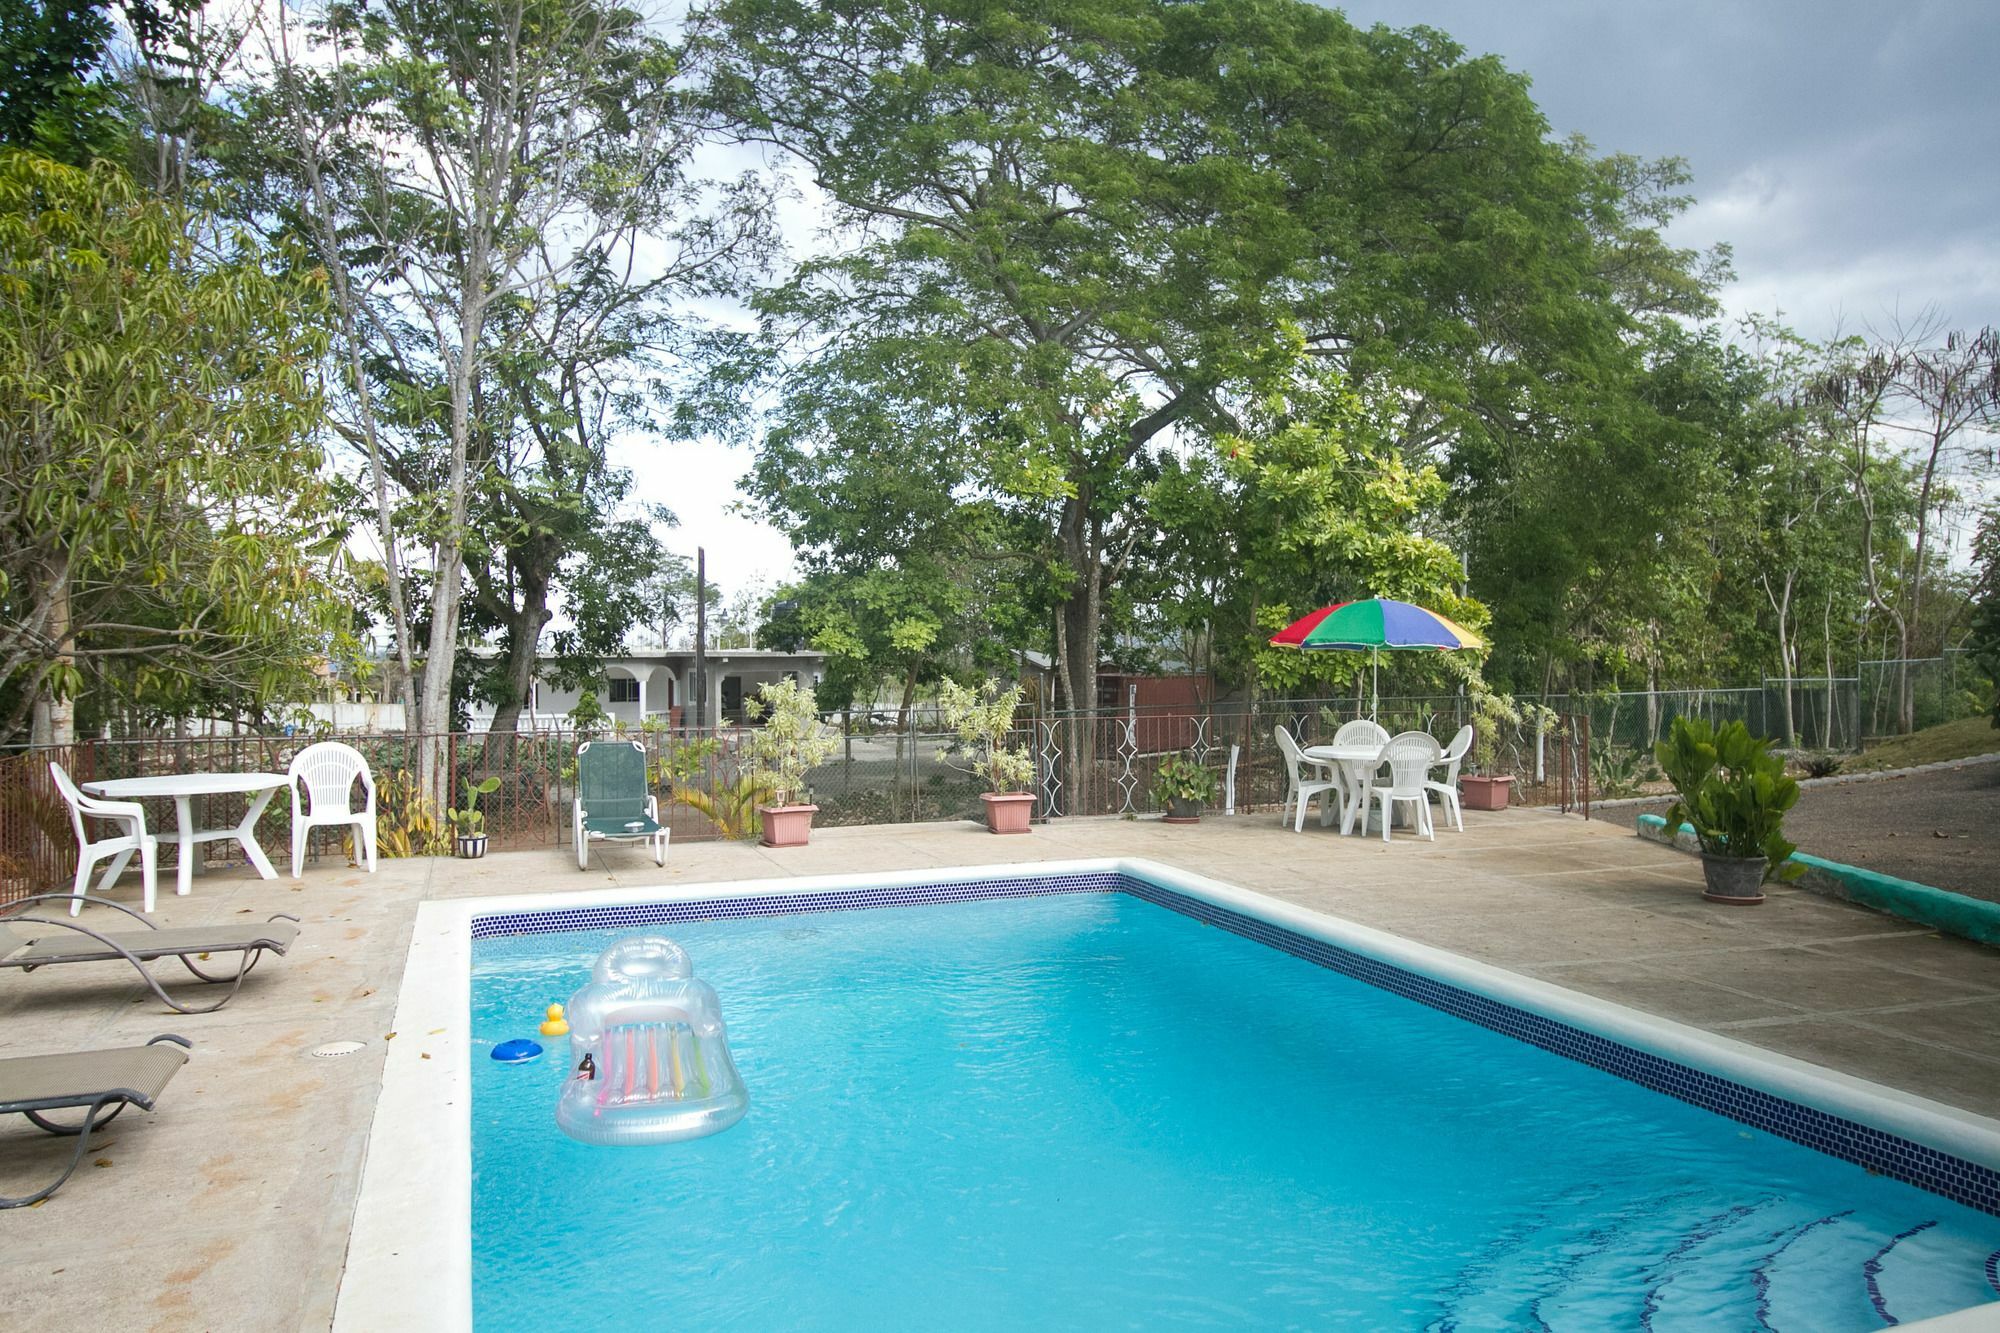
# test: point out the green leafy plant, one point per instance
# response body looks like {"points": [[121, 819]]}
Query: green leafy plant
{"points": [[1732, 790], [1618, 770], [406, 824], [792, 742], [588, 715], [983, 717], [1493, 715], [731, 806], [469, 822], [1820, 764], [1180, 778]]}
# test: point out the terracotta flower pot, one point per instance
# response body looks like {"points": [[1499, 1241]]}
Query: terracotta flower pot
{"points": [[1736, 880], [1008, 812], [787, 825], [1484, 793]]}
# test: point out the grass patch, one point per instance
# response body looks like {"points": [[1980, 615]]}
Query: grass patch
{"points": [[1952, 740]]}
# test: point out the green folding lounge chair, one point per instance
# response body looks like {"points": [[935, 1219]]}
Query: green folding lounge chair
{"points": [[89, 1081], [29, 942], [613, 803]]}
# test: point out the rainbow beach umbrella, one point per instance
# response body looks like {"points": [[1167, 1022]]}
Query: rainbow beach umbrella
{"points": [[1372, 625]]}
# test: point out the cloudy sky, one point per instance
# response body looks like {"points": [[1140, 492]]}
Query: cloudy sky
{"points": [[1849, 150]]}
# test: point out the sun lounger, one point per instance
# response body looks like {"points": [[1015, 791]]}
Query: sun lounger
{"points": [[29, 942], [32, 1085]]}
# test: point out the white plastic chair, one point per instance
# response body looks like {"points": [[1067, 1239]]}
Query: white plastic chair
{"points": [[130, 815], [1410, 757], [1360, 731], [1302, 786], [328, 770], [1453, 755]]}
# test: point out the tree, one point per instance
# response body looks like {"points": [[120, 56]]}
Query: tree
{"points": [[1098, 230], [1984, 641], [164, 527], [477, 153], [1312, 505]]}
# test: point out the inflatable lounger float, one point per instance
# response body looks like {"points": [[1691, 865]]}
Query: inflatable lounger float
{"points": [[649, 1060]]}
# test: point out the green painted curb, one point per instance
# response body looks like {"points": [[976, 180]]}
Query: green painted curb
{"points": [[1953, 913]]}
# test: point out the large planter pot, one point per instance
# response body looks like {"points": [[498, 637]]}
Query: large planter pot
{"points": [[1483, 793], [471, 846], [1008, 812], [1183, 811], [787, 825], [1737, 880]]}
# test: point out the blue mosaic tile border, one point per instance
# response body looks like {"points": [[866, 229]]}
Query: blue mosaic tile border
{"points": [[548, 921], [1955, 1178]]}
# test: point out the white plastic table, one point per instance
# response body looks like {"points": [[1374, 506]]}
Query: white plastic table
{"points": [[1357, 764], [184, 787]]}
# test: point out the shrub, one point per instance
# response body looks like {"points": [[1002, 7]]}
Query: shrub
{"points": [[792, 742], [982, 718], [1732, 789]]}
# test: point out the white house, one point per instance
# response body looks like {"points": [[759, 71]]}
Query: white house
{"points": [[658, 683]]}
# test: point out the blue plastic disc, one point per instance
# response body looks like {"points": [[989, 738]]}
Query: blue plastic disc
{"points": [[517, 1051]]}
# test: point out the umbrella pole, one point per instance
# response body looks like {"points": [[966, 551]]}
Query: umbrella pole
{"points": [[1375, 695]]}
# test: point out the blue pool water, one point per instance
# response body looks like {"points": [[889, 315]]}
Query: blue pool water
{"points": [[1088, 1111]]}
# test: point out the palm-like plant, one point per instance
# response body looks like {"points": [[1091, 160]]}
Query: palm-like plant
{"points": [[1732, 790]]}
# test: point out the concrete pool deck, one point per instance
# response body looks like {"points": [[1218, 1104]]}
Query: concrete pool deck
{"points": [[230, 1206]]}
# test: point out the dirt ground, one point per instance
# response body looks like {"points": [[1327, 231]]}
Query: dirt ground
{"points": [[1940, 828]]}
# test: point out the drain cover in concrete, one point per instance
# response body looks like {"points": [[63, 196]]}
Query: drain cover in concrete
{"points": [[333, 1050]]}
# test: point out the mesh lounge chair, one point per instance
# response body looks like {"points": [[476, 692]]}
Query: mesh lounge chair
{"points": [[612, 802], [32, 1085], [61, 941]]}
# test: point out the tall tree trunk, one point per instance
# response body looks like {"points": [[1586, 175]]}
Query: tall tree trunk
{"points": [[55, 711], [523, 625]]}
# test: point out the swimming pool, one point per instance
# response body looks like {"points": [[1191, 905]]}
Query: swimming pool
{"points": [[1086, 1107]]}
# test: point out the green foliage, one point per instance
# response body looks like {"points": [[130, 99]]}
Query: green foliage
{"points": [[1821, 765], [731, 805], [983, 717], [1618, 770], [1732, 789], [1984, 640], [468, 821], [1181, 778], [1088, 230], [168, 532], [791, 742], [587, 715], [406, 824]]}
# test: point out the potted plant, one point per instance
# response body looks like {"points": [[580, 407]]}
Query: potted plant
{"points": [[469, 825], [1482, 788], [1734, 792], [982, 718], [791, 743], [1182, 785]]}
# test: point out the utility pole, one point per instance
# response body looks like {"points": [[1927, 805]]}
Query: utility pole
{"points": [[700, 637]]}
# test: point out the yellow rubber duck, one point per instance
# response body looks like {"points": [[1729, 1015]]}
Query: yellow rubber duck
{"points": [[555, 1025]]}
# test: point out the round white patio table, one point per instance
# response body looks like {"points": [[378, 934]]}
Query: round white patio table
{"points": [[183, 788], [1356, 764]]}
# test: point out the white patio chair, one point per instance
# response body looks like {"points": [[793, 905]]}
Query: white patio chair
{"points": [[327, 771], [1453, 755], [129, 815], [1360, 731], [1410, 757], [1303, 786]]}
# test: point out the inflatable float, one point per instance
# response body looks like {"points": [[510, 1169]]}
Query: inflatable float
{"points": [[649, 1059]]}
